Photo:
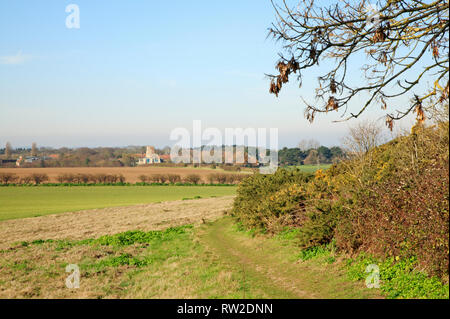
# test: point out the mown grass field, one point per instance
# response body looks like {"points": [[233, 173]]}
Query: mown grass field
{"points": [[20, 202]]}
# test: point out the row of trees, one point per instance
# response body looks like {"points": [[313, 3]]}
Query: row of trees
{"points": [[11, 178], [39, 178], [319, 155], [127, 156], [91, 178], [218, 178], [8, 150]]}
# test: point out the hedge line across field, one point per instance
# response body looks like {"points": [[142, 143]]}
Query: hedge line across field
{"points": [[220, 179], [110, 184]]}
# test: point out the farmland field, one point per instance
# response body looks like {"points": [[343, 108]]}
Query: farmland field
{"points": [[131, 173], [19, 202], [201, 256], [312, 168]]}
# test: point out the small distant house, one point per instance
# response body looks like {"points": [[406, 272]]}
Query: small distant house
{"points": [[165, 158], [31, 159], [150, 157], [2, 161]]}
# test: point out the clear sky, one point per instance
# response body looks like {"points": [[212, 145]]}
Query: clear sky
{"points": [[135, 70]]}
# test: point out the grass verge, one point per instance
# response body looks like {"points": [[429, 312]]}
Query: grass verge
{"points": [[396, 278]]}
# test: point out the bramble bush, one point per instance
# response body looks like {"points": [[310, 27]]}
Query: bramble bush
{"points": [[403, 209]]}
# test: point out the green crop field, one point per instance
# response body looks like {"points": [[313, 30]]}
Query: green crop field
{"points": [[20, 202]]}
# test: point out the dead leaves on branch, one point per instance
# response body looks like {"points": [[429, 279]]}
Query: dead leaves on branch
{"points": [[332, 104], [379, 35], [418, 109], [333, 86], [389, 122], [284, 69], [395, 45]]}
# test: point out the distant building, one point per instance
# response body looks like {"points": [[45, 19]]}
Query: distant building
{"points": [[2, 161], [19, 161], [165, 158], [150, 157], [28, 159], [31, 159]]}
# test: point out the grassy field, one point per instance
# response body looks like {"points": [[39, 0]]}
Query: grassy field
{"points": [[312, 168], [214, 260], [19, 202]]}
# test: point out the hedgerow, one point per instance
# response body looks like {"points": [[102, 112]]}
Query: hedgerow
{"points": [[110, 184], [392, 202]]}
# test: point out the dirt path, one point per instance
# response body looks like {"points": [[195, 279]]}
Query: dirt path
{"points": [[269, 270]]}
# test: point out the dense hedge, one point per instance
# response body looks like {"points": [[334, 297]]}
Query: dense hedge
{"points": [[118, 179], [270, 201], [392, 202], [403, 211]]}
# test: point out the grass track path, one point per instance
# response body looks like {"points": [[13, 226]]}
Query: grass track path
{"points": [[268, 269]]}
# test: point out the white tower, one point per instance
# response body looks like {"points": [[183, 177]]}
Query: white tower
{"points": [[150, 151]]}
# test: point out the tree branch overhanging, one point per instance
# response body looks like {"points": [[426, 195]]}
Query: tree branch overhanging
{"points": [[405, 44]]}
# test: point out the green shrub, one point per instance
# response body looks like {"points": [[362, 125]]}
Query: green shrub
{"points": [[319, 225], [313, 252], [140, 237], [271, 202], [392, 201]]}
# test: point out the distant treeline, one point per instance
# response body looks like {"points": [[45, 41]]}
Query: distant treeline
{"points": [[127, 156], [319, 155], [78, 157]]}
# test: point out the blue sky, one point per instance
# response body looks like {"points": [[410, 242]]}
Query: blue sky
{"points": [[135, 70]]}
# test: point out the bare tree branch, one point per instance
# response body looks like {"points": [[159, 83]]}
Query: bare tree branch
{"points": [[405, 44]]}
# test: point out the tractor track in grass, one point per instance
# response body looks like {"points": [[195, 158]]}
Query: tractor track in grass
{"points": [[215, 260], [267, 271]]}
